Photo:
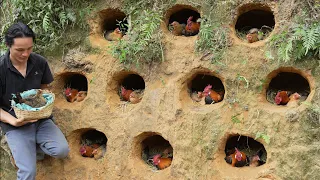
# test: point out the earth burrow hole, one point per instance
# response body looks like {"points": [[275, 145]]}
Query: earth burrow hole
{"points": [[206, 88], [156, 152], [256, 154], [112, 19], [74, 86], [290, 82], [92, 144], [179, 14], [131, 88], [255, 22]]}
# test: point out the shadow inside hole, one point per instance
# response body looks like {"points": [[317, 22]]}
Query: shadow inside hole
{"points": [[201, 81], [261, 19], [76, 81], [182, 17], [288, 81], [115, 19], [93, 144], [156, 146], [249, 147]]}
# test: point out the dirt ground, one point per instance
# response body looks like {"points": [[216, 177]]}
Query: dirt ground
{"points": [[198, 133]]}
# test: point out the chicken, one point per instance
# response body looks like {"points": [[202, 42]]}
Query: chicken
{"points": [[81, 95], [89, 150], [125, 93], [252, 35], [34, 101], [197, 96], [211, 96], [99, 152], [136, 96], [178, 29], [113, 36], [281, 98], [192, 28], [71, 94], [161, 162], [255, 159], [294, 100], [237, 159]]}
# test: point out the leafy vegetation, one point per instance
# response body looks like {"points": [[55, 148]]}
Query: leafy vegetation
{"points": [[298, 39], [263, 136], [143, 43], [48, 19]]}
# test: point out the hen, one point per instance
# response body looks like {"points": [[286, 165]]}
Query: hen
{"points": [[294, 100], [192, 28], [237, 159], [89, 150], [113, 36], [125, 93], [81, 95], [178, 29], [34, 101], [255, 159], [252, 35], [136, 96], [197, 96]]}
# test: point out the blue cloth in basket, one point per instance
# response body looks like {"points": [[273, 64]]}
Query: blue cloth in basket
{"points": [[25, 94]]}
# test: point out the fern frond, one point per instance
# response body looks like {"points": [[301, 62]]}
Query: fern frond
{"points": [[46, 22]]}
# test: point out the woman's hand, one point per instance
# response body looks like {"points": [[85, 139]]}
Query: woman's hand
{"points": [[21, 121]]}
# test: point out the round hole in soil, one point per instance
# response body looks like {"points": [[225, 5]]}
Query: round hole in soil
{"points": [[157, 152], [199, 84], [255, 153], [261, 18], [132, 88], [181, 14], [112, 19], [290, 82], [76, 86], [93, 144]]}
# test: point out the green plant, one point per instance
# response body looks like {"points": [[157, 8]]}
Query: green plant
{"points": [[144, 39], [235, 119], [263, 136], [48, 19]]}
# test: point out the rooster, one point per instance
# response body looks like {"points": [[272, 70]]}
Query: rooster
{"points": [[252, 35], [113, 36], [160, 162], [71, 94], [211, 96], [282, 98], [192, 28], [178, 29], [237, 159]]}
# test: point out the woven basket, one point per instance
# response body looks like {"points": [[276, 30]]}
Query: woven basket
{"points": [[44, 112]]}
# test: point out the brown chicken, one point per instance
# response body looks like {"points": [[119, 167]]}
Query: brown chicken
{"points": [[71, 94], [34, 101], [125, 93], [161, 163], [99, 152], [237, 159], [113, 36], [81, 95], [294, 100], [192, 28], [282, 98], [252, 35], [178, 29], [136, 96], [89, 150], [197, 96], [211, 96]]}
